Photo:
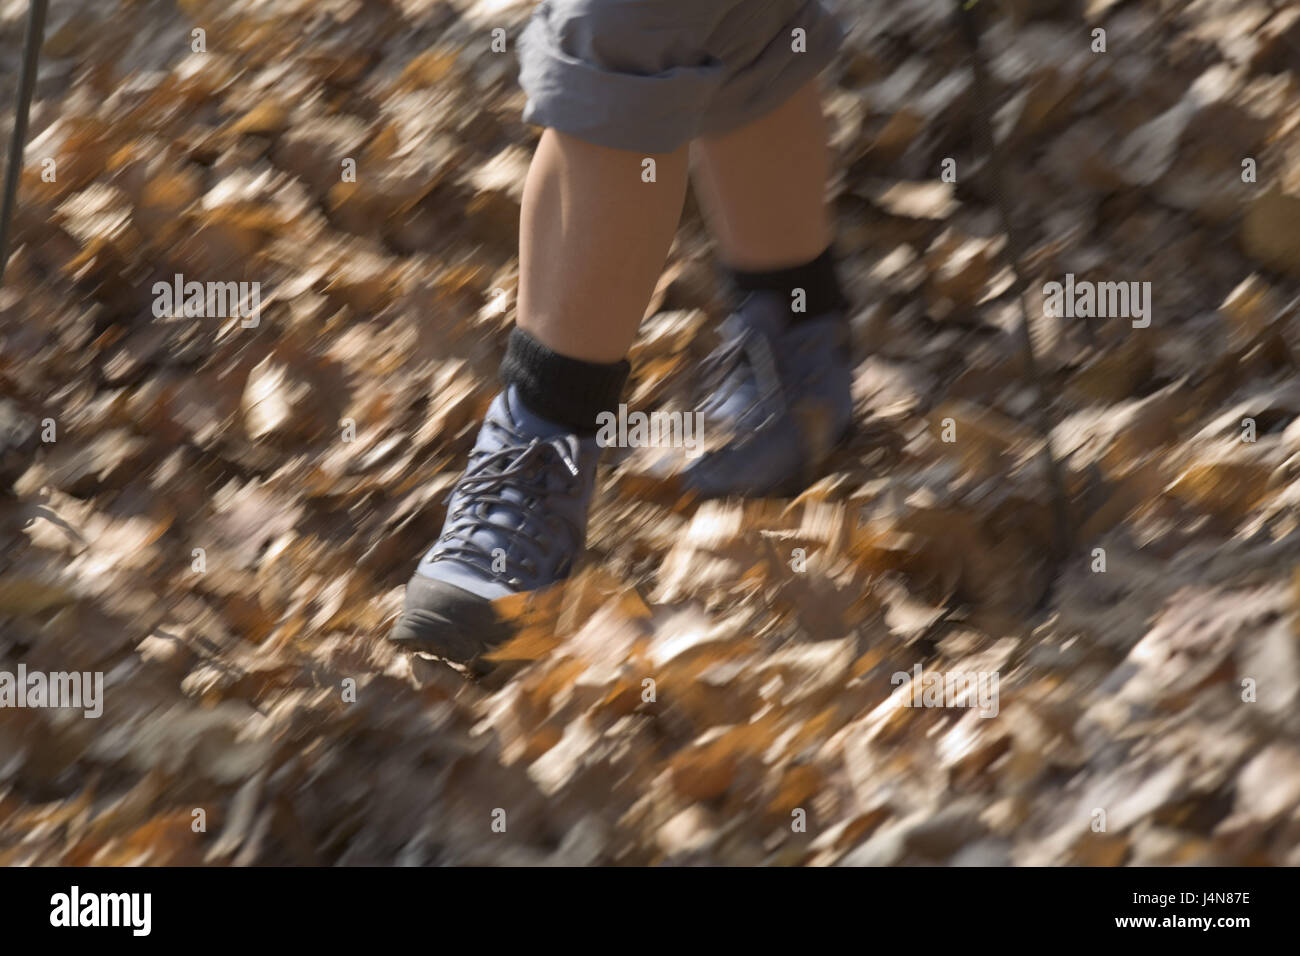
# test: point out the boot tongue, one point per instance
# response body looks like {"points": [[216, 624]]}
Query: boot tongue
{"points": [[526, 421], [735, 408], [490, 534], [767, 313]]}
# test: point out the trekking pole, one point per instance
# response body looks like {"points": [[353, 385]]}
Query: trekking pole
{"points": [[23, 102], [970, 30]]}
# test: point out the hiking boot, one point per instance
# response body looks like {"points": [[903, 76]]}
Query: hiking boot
{"points": [[778, 399], [516, 522]]}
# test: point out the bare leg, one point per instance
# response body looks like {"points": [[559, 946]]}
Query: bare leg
{"points": [[763, 187], [593, 238]]}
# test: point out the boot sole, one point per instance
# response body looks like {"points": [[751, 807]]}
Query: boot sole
{"points": [[449, 622]]}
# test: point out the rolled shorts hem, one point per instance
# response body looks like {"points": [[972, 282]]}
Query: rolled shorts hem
{"points": [[658, 113]]}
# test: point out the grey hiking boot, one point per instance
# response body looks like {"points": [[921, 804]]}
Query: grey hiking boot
{"points": [[779, 394], [516, 521]]}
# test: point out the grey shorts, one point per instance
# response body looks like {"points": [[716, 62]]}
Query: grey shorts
{"points": [[649, 75]]}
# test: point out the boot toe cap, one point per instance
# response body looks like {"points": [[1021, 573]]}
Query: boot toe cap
{"points": [[445, 620]]}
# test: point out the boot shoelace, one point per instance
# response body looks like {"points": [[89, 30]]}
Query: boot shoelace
{"points": [[749, 354], [484, 497]]}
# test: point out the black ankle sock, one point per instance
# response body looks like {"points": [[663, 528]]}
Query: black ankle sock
{"points": [[817, 279], [567, 391]]}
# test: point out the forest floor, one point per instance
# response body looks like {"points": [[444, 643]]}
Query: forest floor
{"points": [[226, 515]]}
